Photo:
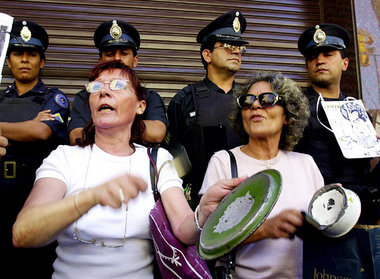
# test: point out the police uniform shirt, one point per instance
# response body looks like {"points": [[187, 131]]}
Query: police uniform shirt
{"points": [[182, 112], [27, 156], [201, 125], [49, 99], [81, 113], [322, 145]]}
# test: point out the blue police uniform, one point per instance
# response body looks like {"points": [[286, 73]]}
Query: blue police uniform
{"points": [[15, 108], [199, 113], [18, 166], [108, 35], [198, 119]]}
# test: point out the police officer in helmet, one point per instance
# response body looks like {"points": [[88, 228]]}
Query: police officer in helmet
{"points": [[324, 47], [33, 118], [199, 113], [119, 40]]}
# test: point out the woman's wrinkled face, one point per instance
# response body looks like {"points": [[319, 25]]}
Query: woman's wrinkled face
{"points": [[114, 107], [261, 122]]}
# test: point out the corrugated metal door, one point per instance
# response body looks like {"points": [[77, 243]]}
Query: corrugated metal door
{"points": [[169, 54]]}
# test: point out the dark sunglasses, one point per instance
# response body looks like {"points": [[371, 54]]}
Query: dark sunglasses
{"points": [[266, 100]]}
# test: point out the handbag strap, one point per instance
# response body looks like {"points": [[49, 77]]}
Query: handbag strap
{"points": [[231, 256], [234, 171], [152, 154]]}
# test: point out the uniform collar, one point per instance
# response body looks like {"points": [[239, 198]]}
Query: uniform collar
{"points": [[311, 91], [209, 83], [39, 88]]}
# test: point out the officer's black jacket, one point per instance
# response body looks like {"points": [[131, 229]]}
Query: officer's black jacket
{"points": [[199, 119], [322, 145], [15, 108]]}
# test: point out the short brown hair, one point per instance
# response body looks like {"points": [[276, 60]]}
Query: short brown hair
{"points": [[138, 126]]}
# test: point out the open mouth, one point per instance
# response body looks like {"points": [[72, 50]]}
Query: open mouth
{"points": [[256, 117], [106, 107]]}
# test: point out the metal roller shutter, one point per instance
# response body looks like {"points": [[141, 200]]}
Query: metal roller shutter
{"points": [[169, 54]]}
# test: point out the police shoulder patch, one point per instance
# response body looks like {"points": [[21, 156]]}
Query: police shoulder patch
{"points": [[58, 117], [61, 100]]}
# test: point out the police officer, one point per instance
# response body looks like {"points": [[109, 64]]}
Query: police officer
{"points": [[324, 47], [199, 113], [34, 119], [119, 40]]}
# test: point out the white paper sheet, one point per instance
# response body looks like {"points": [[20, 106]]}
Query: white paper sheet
{"points": [[6, 22], [352, 128]]}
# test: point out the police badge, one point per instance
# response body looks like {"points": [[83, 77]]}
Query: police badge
{"points": [[115, 30], [319, 36], [25, 33], [236, 23], [61, 100]]}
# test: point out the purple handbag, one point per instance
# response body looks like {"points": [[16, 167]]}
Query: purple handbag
{"points": [[174, 259]]}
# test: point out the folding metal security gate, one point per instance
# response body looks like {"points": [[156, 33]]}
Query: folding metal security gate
{"points": [[169, 54]]}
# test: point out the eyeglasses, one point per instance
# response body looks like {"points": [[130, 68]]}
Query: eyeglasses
{"points": [[266, 100], [115, 85], [242, 49], [109, 243]]}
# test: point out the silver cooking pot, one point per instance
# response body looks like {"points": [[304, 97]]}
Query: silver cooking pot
{"points": [[335, 210]]}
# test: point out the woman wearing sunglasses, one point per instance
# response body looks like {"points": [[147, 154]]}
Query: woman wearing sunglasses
{"points": [[95, 198], [271, 113]]}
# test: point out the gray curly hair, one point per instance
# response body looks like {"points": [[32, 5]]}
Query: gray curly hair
{"points": [[293, 101]]}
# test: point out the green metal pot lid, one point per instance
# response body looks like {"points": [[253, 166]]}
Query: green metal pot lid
{"points": [[239, 214]]}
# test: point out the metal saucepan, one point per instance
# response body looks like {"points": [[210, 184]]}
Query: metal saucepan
{"points": [[334, 210]]}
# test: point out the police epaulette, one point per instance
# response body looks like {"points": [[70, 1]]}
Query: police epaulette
{"points": [[201, 89]]}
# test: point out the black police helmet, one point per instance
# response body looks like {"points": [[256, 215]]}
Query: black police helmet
{"points": [[226, 28], [322, 36], [26, 34], [116, 33]]}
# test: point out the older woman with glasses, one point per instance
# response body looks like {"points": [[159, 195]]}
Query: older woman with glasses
{"points": [[271, 112], [94, 198]]}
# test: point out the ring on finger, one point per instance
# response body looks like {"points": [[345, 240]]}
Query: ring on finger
{"points": [[121, 195]]}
